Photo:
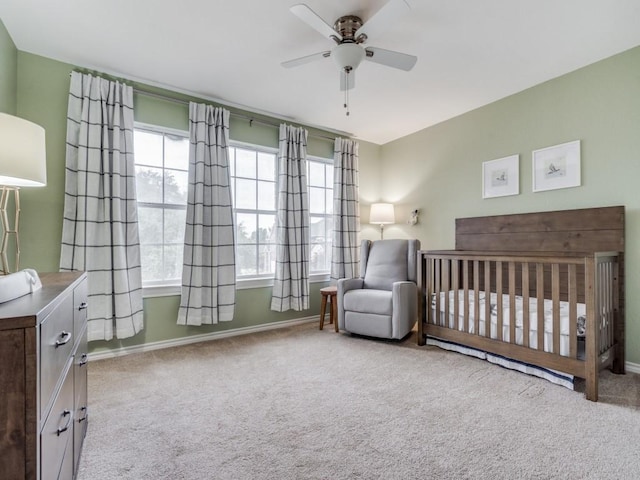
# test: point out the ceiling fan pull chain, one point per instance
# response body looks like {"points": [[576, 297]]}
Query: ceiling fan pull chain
{"points": [[346, 90]]}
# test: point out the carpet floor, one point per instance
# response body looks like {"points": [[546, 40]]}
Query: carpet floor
{"points": [[299, 403]]}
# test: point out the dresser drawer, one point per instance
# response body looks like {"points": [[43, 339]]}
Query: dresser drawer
{"points": [[56, 346], [81, 416], [56, 438], [79, 309]]}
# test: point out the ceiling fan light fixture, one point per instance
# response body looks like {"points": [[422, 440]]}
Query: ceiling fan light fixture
{"points": [[348, 55]]}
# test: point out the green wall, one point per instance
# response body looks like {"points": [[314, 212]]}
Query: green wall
{"points": [[8, 72], [439, 169], [43, 86]]}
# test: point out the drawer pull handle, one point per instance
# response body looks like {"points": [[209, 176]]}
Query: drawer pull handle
{"points": [[65, 413], [82, 306], [64, 339], [84, 358], [83, 410]]}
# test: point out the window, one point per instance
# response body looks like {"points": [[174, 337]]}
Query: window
{"points": [[320, 179], [253, 185], [162, 163]]}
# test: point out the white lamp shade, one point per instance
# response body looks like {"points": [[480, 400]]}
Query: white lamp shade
{"points": [[382, 214], [23, 158]]}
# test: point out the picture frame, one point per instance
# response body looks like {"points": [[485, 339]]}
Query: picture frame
{"points": [[501, 177], [556, 167]]}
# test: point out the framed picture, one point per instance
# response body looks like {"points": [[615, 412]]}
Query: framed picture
{"points": [[501, 177], [556, 167]]}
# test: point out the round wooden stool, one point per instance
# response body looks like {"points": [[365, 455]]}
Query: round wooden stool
{"points": [[332, 294]]}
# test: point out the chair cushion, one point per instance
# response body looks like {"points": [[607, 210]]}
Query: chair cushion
{"points": [[369, 301], [386, 263]]}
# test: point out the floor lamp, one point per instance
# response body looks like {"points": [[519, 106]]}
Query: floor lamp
{"points": [[22, 164], [382, 214]]}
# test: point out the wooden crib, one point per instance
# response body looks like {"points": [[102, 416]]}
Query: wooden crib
{"points": [[523, 288]]}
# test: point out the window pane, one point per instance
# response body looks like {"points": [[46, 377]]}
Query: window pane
{"points": [[176, 184], [245, 163], [266, 195], [328, 201], [267, 259], [316, 174], [149, 184], [174, 225], [176, 152], [267, 225], [245, 194], [173, 262], [328, 175], [316, 200], [150, 225], [317, 229], [148, 148], [266, 166], [246, 228], [246, 259], [151, 258], [318, 257]]}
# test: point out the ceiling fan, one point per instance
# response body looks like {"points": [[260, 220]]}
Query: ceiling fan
{"points": [[350, 33]]}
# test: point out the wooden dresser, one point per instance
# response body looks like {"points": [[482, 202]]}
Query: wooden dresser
{"points": [[43, 379]]}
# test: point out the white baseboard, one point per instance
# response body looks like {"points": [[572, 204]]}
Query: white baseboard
{"points": [[205, 337], [632, 367]]}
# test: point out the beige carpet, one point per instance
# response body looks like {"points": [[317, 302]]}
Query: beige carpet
{"points": [[299, 403]]}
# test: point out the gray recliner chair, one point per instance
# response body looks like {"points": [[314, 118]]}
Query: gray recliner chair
{"points": [[383, 302]]}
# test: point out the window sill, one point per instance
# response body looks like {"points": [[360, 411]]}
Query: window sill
{"points": [[243, 284]]}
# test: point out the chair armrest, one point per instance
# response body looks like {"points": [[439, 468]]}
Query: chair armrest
{"points": [[344, 285], [405, 306]]}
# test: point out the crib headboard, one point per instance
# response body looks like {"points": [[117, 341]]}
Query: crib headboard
{"points": [[566, 231], [583, 230]]}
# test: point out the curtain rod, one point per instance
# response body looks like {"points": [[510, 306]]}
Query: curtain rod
{"points": [[233, 114]]}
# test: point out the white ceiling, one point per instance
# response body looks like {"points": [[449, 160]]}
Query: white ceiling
{"points": [[470, 52]]}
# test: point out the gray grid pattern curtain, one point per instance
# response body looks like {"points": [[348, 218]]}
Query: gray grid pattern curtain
{"points": [[291, 282], [100, 225], [346, 211], [209, 271]]}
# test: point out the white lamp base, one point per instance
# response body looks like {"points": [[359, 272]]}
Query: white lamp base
{"points": [[6, 228]]}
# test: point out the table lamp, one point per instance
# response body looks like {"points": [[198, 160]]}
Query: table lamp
{"points": [[22, 164], [382, 214]]}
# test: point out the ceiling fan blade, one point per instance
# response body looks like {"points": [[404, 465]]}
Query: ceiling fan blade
{"points": [[347, 80], [306, 59], [390, 58], [383, 18], [312, 19]]}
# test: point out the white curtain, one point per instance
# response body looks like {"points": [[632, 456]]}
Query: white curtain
{"points": [[346, 210], [100, 226], [209, 271], [291, 282]]}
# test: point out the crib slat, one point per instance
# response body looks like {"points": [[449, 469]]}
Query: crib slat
{"points": [[455, 286], [555, 302], [476, 296], [487, 299], [525, 304], [512, 302], [573, 312], [438, 272], [540, 304], [446, 267], [465, 287], [499, 299]]}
